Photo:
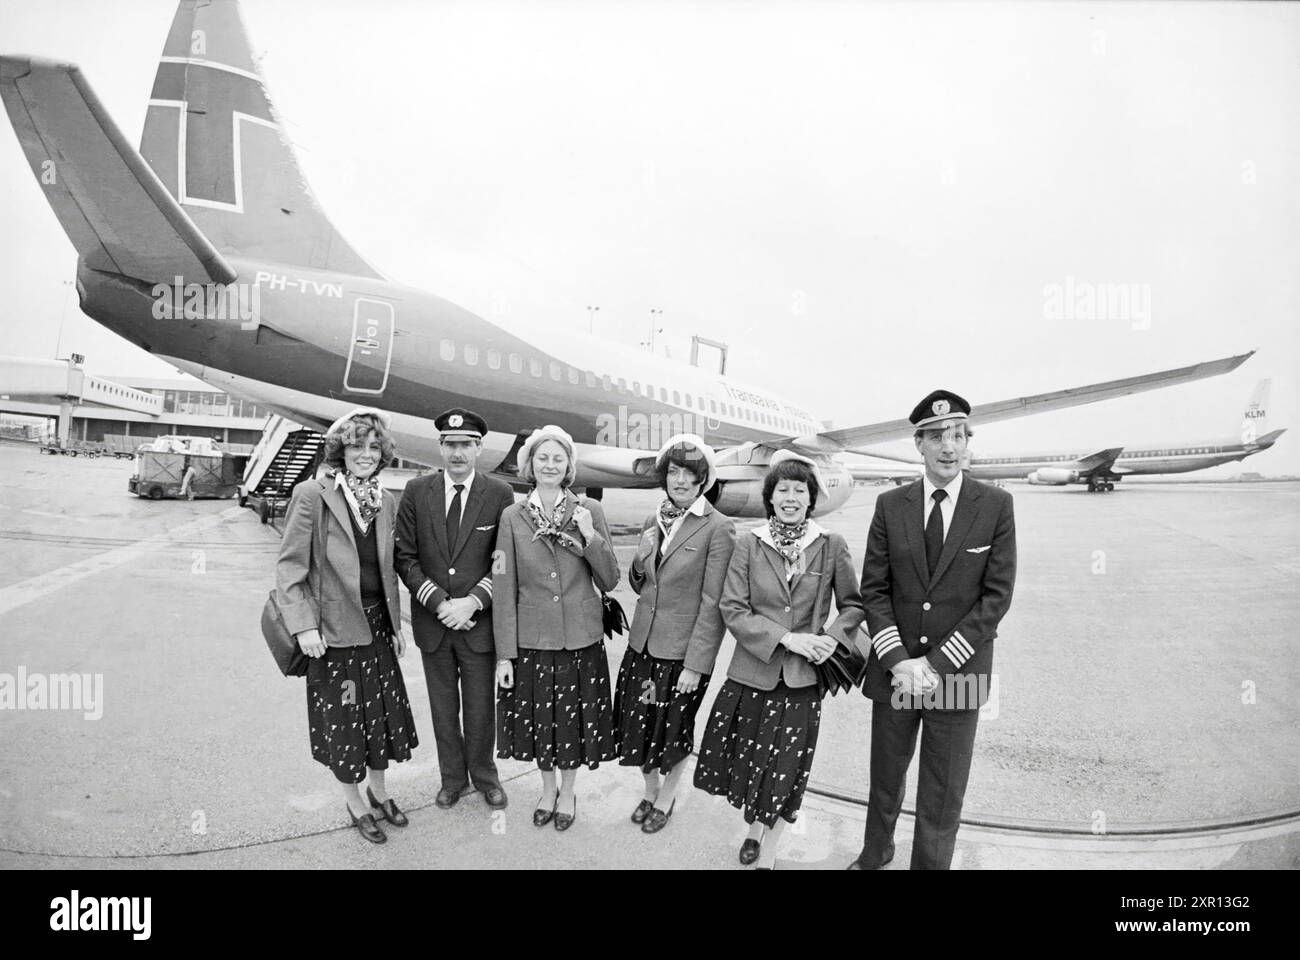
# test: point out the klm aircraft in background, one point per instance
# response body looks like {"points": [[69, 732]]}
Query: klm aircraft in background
{"points": [[1101, 470]]}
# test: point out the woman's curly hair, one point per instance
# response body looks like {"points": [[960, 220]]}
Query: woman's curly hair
{"points": [[356, 430]]}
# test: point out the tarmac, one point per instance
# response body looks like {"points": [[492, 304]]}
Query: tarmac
{"points": [[1145, 714]]}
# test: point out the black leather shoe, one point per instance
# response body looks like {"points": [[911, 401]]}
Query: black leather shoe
{"points": [[446, 799], [657, 819], [495, 797], [563, 821], [389, 809], [542, 816], [884, 862], [367, 827], [749, 851], [642, 811]]}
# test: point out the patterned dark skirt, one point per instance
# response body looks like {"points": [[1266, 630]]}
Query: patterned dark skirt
{"points": [[357, 708], [656, 725], [758, 749], [558, 714]]}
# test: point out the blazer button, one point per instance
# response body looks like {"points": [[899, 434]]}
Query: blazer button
{"points": [[553, 576], [451, 571], [926, 605], [925, 639], [787, 609]]}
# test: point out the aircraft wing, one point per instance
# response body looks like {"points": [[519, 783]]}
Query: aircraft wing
{"points": [[852, 438], [111, 204], [1099, 462]]}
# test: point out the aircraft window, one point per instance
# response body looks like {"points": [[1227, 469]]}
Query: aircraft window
{"points": [[591, 379], [471, 354], [606, 382], [713, 406], [494, 359], [663, 394], [636, 387], [534, 366], [516, 364], [556, 372], [573, 375], [677, 398], [447, 349], [622, 384]]}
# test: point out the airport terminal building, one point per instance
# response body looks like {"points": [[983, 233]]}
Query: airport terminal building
{"points": [[79, 406]]}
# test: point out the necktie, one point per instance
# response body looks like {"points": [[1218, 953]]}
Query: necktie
{"points": [[934, 531], [453, 518]]}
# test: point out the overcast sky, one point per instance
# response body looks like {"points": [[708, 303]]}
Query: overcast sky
{"points": [[866, 201]]}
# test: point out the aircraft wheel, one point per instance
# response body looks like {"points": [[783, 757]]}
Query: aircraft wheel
{"points": [[264, 512], [1110, 487]]}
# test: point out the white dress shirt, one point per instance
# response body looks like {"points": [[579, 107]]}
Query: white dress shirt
{"points": [[949, 504], [448, 484]]}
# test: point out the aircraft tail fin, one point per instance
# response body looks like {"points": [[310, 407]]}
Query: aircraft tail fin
{"points": [[214, 139], [108, 201], [1254, 420]]}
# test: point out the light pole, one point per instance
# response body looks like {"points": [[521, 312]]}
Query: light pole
{"points": [[591, 319], [655, 314]]}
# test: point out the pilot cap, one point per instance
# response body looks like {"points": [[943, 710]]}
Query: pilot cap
{"points": [[460, 424], [940, 407]]}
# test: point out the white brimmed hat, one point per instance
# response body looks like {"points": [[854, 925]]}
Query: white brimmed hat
{"points": [[695, 442], [782, 455], [384, 417], [548, 432]]}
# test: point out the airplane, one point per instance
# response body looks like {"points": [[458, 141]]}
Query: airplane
{"points": [[1103, 469], [289, 315]]}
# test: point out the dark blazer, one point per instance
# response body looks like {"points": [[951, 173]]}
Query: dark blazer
{"points": [[336, 608], [760, 607], [435, 570], [951, 618], [677, 613], [544, 595]]}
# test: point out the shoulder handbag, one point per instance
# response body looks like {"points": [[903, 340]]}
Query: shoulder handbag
{"points": [[846, 667], [282, 644], [613, 619]]}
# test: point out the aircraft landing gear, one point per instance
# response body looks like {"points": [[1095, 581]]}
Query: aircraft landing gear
{"points": [[1100, 486]]}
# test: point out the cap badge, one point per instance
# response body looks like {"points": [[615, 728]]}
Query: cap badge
{"points": [[940, 407], [455, 420]]}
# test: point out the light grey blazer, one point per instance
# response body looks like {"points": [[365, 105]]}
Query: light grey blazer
{"points": [[760, 607], [336, 610], [543, 597], [677, 613]]}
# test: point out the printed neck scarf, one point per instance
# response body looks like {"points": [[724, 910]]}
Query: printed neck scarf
{"points": [[786, 537], [553, 526], [670, 513], [368, 497]]}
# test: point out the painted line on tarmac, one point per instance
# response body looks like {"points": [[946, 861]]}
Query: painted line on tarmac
{"points": [[1211, 836], [26, 591]]}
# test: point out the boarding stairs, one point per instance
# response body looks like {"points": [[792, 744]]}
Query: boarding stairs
{"points": [[287, 454]]}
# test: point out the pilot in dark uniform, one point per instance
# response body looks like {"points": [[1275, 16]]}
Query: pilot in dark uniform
{"points": [[937, 579], [446, 533]]}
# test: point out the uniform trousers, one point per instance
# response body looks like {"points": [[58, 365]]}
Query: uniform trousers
{"points": [[947, 743], [459, 679]]}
